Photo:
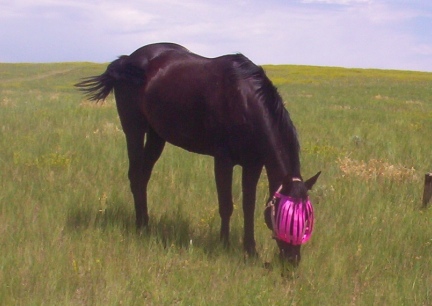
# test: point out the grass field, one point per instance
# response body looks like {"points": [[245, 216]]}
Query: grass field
{"points": [[67, 231]]}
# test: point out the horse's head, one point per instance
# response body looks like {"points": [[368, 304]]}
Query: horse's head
{"points": [[289, 214]]}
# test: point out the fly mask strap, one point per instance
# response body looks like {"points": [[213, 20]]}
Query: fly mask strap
{"points": [[272, 206]]}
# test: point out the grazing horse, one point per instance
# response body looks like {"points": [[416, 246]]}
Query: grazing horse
{"points": [[225, 107]]}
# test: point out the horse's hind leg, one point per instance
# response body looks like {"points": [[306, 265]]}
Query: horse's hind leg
{"points": [[135, 149], [141, 157], [153, 148], [141, 162]]}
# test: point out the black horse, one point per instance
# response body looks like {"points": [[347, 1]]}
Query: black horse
{"points": [[225, 107]]}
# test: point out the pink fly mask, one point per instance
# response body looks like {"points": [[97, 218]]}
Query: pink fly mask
{"points": [[292, 219]]}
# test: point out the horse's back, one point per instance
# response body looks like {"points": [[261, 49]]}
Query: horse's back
{"points": [[151, 51], [197, 103]]}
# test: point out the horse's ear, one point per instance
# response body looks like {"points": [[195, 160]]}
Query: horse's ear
{"points": [[310, 182]]}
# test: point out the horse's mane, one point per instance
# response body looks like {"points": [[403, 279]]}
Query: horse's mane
{"points": [[267, 94]]}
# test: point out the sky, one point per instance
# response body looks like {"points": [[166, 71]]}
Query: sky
{"points": [[383, 34]]}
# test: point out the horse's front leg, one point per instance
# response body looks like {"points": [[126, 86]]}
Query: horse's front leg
{"points": [[250, 177], [223, 168]]}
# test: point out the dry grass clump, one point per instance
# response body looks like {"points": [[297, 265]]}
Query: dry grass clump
{"points": [[91, 104], [414, 102], [380, 97], [340, 107], [375, 168], [6, 102], [108, 128]]}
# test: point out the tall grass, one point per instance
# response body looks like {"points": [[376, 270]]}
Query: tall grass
{"points": [[67, 231]]}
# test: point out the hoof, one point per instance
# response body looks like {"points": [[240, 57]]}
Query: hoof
{"points": [[268, 266], [250, 253]]}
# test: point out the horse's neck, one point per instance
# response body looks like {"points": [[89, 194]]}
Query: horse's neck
{"points": [[283, 151], [280, 164]]}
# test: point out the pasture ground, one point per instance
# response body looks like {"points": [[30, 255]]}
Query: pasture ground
{"points": [[67, 231]]}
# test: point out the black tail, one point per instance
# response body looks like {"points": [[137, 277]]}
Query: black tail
{"points": [[97, 88]]}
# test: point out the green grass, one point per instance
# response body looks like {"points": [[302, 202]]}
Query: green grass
{"points": [[67, 231]]}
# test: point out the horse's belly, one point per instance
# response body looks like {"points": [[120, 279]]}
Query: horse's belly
{"points": [[237, 142], [184, 131], [193, 143]]}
